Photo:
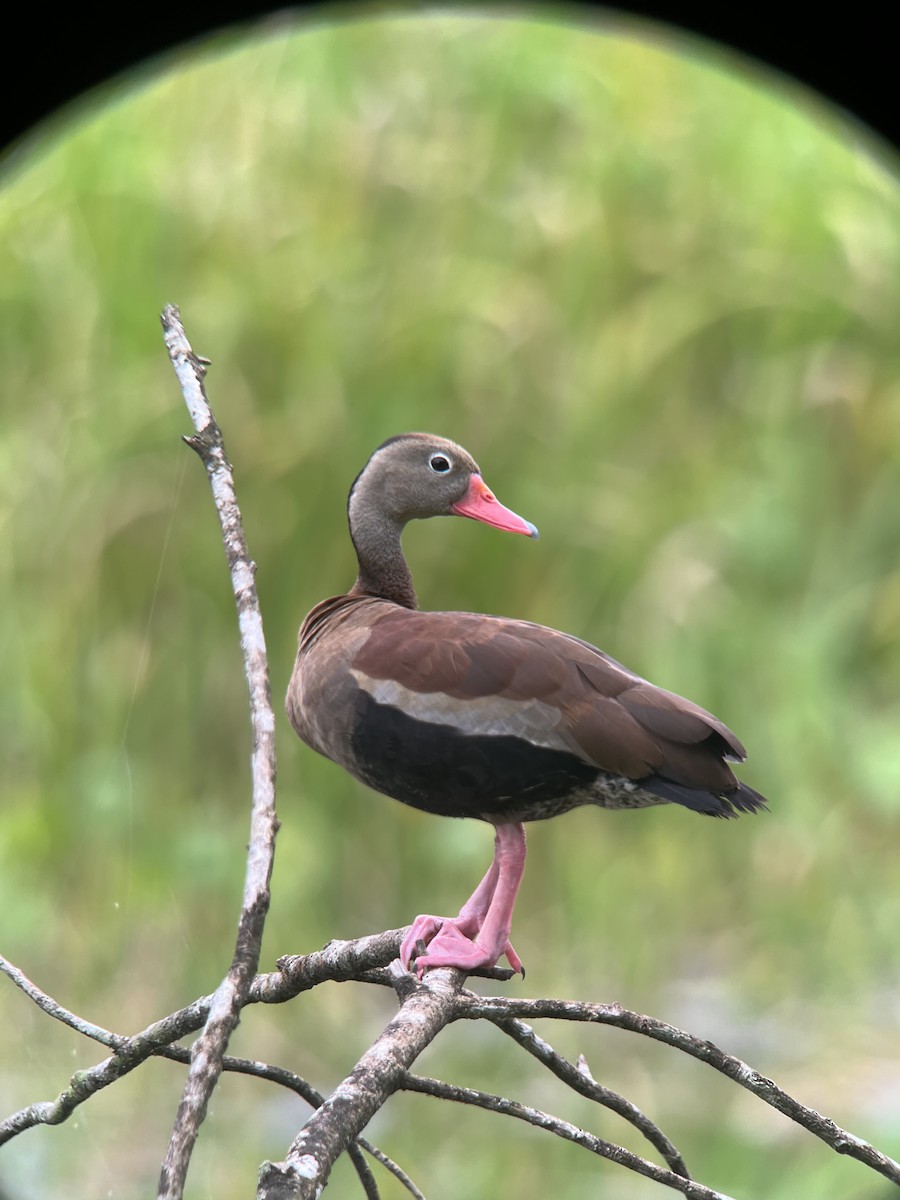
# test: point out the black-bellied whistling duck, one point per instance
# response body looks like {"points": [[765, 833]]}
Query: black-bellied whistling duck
{"points": [[465, 715]]}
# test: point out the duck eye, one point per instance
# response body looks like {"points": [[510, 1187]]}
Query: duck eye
{"points": [[440, 463]]}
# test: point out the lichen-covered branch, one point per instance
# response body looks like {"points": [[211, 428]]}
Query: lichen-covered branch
{"points": [[424, 1011], [363, 959], [157, 1040], [315, 1099], [53, 1008], [231, 995], [426, 1008], [129, 1053]]}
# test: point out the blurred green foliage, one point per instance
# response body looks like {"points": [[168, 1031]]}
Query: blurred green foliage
{"points": [[657, 295]]}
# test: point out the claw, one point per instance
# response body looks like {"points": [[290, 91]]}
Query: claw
{"points": [[423, 929], [479, 935]]}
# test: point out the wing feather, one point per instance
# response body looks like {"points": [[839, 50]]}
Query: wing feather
{"points": [[514, 677]]}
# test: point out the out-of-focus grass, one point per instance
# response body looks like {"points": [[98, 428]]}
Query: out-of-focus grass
{"points": [[658, 299]]}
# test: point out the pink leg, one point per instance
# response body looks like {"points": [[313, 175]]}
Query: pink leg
{"points": [[479, 935], [426, 926]]}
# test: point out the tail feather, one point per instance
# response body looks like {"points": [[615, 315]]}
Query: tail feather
{"points": [[742, 799]]}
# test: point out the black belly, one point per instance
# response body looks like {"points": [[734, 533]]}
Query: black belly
{"points": [[441, 770]]}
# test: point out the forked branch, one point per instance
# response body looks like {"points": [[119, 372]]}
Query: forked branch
{"points": [[226, 1004], [425, 1008]]}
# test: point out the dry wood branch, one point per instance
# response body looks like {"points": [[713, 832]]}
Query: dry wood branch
{"points": [[130, 1052], [359, 960], [563, 1129], [398, 1172], [498, 1009], [313, 1097], [155, 1041], [54, 1009], [425, 1009], [580, 1080], [364, 960], [229, 998]]}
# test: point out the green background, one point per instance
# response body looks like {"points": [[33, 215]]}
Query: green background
{"points": [[657, 295]]}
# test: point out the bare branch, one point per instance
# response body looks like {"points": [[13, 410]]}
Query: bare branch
{"points": [[313, 1097], [305, 1090], [364, 959], [130, 1053], [363, 1171], [425, 1009], [613, 1014], [54, 1009], [581, 1080], [135, 1050], [229, 998], [563, 1129], [388, 1163], [359, 959]]}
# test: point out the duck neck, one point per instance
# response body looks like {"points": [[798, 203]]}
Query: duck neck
{"points": [[383, 570]]}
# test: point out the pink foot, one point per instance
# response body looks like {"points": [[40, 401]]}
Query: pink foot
{"points": [[423, 929], [479, 935], [452, 942]]}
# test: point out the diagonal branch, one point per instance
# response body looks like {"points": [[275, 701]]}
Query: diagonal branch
{"points": [[296, 1083], [498, 1010], [365, 959], [155, 1041], [362, 959], [563, 1129], [305, 1090], [229, 998], [129, 1053], [580, 1080], [425, 1009], [54, 1009], [388, 1163]]}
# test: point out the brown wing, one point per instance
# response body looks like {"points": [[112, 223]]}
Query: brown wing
{"points": [[524, 680]]}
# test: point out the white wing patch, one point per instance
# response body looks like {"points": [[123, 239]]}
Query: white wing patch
{"points": [[487, 716]]}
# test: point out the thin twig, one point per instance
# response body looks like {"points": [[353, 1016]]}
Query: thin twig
{"points": [[230, 996], [397, 1171], [305, 1090], [312, 1096], [426, 1008], [129, 1054], [563, 1129], [580, 1080], [838, 1139], [135, 1050], [363, 959], [54, 1009]]}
